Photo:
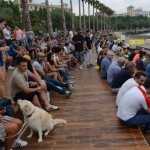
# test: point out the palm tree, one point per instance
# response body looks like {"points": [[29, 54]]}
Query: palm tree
{"points": [[49, 23], [63, 18], [89, 15], [83, 15], [96, 6], [93, 15], [79, 13], [25, 15], [72, 16]]}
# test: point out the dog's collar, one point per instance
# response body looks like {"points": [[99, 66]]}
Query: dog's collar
{"points": [[30, 114]]}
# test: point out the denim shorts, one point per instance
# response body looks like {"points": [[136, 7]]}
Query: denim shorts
{"points": [[79, 55]]}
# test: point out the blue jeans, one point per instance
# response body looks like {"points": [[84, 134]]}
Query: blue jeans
{"points": [[141, 118], [52, 84], [79, 55]]}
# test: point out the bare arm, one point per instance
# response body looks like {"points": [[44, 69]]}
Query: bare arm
{"points": [[30, 90], [5, 48]]}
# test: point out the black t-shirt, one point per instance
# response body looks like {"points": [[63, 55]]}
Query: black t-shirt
{"points": [[88, 42], [120, 78], [78, 46]]}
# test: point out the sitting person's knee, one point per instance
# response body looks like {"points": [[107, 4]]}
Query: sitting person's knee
{"points": [[11, 128]]}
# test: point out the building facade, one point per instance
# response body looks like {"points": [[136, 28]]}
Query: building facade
{"points": [[137, 12], [37, 6]]}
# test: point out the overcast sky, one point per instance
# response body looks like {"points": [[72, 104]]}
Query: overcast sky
{"points": [[119, 6]]}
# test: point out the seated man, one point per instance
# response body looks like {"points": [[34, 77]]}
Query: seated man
{"points": [[114, 68], [9, 127], [134, 107], [105, 64], [122, 76], [51, 83], [138, 80], [19, 85]]}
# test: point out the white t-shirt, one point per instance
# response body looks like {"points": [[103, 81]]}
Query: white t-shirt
{"points": [[130, 83], [132, 101], [114, 48], [7, 34], [99, 49], [71, 34]]}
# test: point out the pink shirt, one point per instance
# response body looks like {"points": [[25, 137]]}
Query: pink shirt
{"points": [[19, 34]]}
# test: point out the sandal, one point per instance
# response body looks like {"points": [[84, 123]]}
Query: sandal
{"points": [[52, 108]]}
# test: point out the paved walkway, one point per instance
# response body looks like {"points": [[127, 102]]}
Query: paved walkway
{"points": [[91, 120]]}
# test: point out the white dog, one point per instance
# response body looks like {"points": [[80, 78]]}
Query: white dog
{"points": [[38, 119]]}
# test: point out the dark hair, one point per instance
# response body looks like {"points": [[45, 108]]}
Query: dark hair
{"points": [[139, 74], [2, 19], [87, 31], [147, 84], [21, 59], [49, 55], [56, 49]]}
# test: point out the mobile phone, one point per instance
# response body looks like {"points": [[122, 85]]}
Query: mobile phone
{"points": [[2, 108]]}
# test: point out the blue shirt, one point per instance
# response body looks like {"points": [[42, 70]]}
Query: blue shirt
{"points": [[104, 67], [1, 57], [148, 71], [11, 51], [113, 69]]}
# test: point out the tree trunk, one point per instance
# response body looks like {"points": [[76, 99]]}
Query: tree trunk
{"points": [[104, 20], [63, 18], [93, 17], [72, 16], [96, 20], [49, 21], [101, 21], [26, 15], [79, 13], [89, 16], [83, 15]]}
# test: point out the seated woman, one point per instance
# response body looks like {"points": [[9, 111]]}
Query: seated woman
{"points": [[50, 68]]}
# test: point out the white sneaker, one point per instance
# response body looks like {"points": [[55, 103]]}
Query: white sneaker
{"points": [[81, 68], [19, 143], [11, 68]]}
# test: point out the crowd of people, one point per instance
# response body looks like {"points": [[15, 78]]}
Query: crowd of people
{"points": [[43, 64], [39, 65], [128, 77]]}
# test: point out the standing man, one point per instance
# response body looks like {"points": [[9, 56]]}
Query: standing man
{"points": [[88, 45], [19, 35], [78, 42]]}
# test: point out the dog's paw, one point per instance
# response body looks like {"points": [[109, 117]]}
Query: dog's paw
{"points": [[46, 133], [40, 140]]}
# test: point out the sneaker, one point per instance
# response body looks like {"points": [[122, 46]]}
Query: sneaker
{"points": [[70, 81], [51, 108], [71, 86], [81, 68], [68, 93], [70, 77], [91, 65], [19, 143]]}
